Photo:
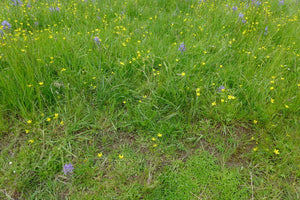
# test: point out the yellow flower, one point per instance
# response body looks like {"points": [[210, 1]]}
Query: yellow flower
{"points": [[221, 66], [183, 74], [124, 102], [41, 83], [159, 135], [213, 103], [254, 121], [231, 97], [55, 116], [155, 145], [286, 106], [255, 149], [48, 119], [222, 100], [276, 151], [271, 88], [31, 141], [26, 131], [198, 93], [29, 85], [272, 100], [99, 155], [153, 139], [61, 123], [63, 69], [29, 121], [121, 63], [121, 156]]}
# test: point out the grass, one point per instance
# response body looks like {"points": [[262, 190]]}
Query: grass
{"points": [[149, 99]]}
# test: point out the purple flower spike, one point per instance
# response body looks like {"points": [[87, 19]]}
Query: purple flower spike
{"points": [[241, 15], [6, 25], [182, 47], [234, 8], [68, 168], [244, 21], [281, 2], [97, 40]]}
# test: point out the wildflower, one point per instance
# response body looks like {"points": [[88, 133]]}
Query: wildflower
{"points": [[183, 74], [244, 21], [48, 119], [26, 131], [281, 2], [153, 139], [234, 8], [258, 3], [57, 9], [31, 141], [266, 30], [276, 151], [55, 116], [68, 168], [61, 123], [255, 121], [63, 69], [286, 106], [29, 121], [241, 15], [6, 25], [97, 40], [159, 135], [41, 83], [121, 156], [272, 100], [221, 88], [99, 155], [182, 47], [255, 149], [213, 103], [155, 145], [231, 97]]}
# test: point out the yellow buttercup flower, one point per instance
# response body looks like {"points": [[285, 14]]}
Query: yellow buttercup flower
{"points": [[121, 156], [99, 155], [159, 135], [276, 151]]}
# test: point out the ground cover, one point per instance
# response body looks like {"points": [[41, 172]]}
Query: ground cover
{"points": [[157, 99]]}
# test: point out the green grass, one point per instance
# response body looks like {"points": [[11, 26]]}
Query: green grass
{"points": [[157, 115]]}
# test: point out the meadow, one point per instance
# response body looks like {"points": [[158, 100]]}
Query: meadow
{"points": [[138, 99]]}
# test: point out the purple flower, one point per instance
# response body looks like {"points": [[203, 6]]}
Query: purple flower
{"points": [[258, 3], [234, 8], [266, 30], [36, 23], [28, 6], [68, 168], [221, 88], [241, 15], [57, 9], [16, 2], [6, 25], [97, 40], [244, 21], [51, 9], [281, 2], [182, 47]]}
